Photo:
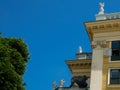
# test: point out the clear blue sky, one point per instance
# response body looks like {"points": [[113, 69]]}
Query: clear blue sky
{"points": [[53, 30]]}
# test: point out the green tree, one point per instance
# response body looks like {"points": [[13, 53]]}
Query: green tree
{"points": [[13, 58]]}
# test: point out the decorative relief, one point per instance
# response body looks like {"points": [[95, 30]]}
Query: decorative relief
{"points": [[101, 44]]}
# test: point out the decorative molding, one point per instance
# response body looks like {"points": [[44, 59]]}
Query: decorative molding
{"points": [[101, 44], [81, 65], [104, 26], [79, 73]]}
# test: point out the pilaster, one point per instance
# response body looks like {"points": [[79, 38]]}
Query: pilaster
{"points": [[97, 64]]}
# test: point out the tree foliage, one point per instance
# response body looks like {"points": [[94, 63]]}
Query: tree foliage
{"points": [[13, 58]]}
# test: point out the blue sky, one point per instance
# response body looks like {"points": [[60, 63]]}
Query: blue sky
{"points": [[53, 30]]}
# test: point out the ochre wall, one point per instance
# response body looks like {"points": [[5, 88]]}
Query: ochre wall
{"points": [[106, 65]]}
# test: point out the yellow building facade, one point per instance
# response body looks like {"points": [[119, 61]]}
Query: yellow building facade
{"points": [[102, 66], [105, 41]]}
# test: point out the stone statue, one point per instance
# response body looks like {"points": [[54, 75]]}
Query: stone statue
{"points": [[80, 81], [62, 82], [101, 8], [80, 49], [54, 84]]}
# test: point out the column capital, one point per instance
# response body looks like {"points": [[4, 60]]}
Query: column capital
{"points": [[101, 44]]}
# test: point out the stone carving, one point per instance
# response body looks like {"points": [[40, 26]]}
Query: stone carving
{"points": [[101, 44], [80, 81], [101, 8]]}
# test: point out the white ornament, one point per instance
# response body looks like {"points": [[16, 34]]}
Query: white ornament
{"points": [[62, 82], [54, 84]]}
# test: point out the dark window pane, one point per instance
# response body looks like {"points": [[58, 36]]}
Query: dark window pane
{"points": [[115, 51], [114, 81], [115, 73], [115, 44], [115, 76], [115, 58]]}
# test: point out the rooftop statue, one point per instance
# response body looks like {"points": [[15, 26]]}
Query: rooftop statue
{"points": [[101, 8], [80, 49], [62, 82], [54, 85], [80, 81]]}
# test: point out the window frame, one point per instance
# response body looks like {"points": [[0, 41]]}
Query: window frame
{"points": [[110, 60], [109, 75]]}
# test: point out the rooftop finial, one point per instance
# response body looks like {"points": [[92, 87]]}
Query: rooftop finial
{"points": [[101, 8], [80, 49]]}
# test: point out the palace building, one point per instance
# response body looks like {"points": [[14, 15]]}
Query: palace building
{"points": [[99, 70]]}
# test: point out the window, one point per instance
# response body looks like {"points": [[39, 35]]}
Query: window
{"points": [[115, 51], [114, 76]]}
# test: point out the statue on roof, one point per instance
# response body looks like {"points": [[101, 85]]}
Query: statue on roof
{"points": [[80, 81], [54, 84], [101, 8], [62, 82], [80, 49]]}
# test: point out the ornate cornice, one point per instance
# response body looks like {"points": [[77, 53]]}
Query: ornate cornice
{"points": [[78, 64], [102, 26], [114, 23]]}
